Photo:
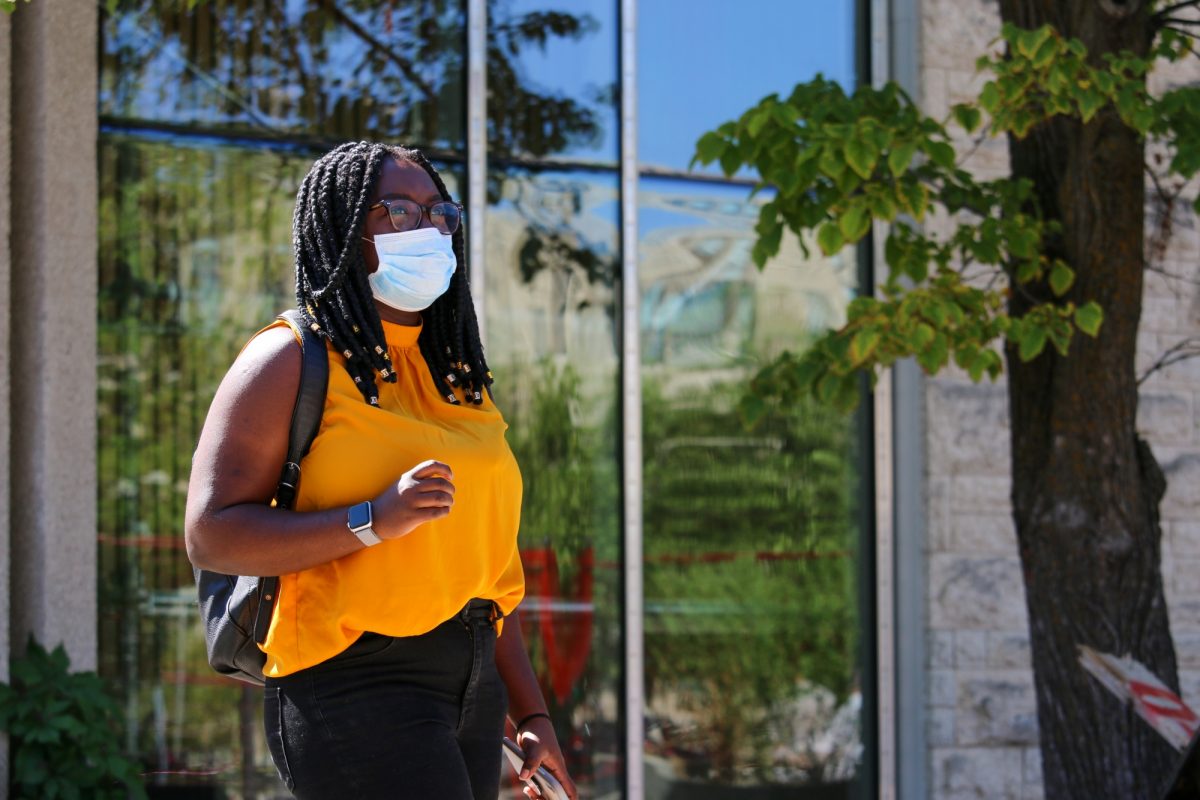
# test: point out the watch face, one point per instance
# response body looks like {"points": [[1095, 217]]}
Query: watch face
{"points": [[359, 516]]}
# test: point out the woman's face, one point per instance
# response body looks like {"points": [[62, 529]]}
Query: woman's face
{"points": [[396, 179]]}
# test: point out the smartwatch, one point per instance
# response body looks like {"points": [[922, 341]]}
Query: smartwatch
{"points": [[358, 520]]}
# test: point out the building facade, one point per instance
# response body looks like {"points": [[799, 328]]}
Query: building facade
{"points": [[823, 606]]}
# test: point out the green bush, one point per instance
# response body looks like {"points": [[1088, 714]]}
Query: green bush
{"points": [[62, 729]]}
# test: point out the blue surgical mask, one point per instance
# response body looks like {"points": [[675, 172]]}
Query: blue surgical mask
{"points": [[414, 268]]}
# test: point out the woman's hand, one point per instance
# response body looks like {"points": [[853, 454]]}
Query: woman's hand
{"points": [[424, 493], [541, 748]]}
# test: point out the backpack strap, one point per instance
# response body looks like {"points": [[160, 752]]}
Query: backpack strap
{"points": [[306, 421]]}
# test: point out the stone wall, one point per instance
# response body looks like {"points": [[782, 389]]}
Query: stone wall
{"points": [[980, 708]]}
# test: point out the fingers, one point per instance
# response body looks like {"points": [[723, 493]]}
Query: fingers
{"points": [[432, 469], [436, 485], [433, 499], [532, 762]]}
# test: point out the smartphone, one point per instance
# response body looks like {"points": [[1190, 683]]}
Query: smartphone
{"points": [[546, 785]]}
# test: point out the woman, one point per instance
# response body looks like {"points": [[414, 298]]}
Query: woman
{"points": [[394, 651]]}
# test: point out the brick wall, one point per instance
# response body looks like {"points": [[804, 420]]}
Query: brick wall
{"points": [[980, 709]]}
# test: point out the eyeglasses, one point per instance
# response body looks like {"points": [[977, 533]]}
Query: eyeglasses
{"points": [[406, 214]]}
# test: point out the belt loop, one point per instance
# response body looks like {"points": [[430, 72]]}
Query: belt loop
{"points": [[496, 614]]}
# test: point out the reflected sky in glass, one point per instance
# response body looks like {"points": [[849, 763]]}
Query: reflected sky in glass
{"points": [[702, 63], [580, 68]]}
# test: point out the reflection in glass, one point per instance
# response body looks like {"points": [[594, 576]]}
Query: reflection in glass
{"points": [[552, 77], [333, 70], [550, 306], [195, 255], [753, 667], [700, 64]]}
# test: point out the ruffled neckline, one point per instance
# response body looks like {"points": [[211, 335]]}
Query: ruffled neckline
{"points": [[401, 336]]}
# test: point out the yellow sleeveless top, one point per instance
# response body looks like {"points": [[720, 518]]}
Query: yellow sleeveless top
{"points": [[410, 585]]}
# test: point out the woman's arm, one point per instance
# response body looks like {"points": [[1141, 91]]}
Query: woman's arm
{"points": [[536, 737], [230, 526]]}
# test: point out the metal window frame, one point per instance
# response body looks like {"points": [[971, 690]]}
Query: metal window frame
{"points": [[631, 416]]}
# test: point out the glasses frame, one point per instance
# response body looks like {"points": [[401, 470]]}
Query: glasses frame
{"points": [[425, 213]]}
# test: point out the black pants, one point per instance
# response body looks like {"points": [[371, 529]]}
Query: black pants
{"points": [[416, 716]]}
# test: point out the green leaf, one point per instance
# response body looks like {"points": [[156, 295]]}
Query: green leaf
{"points": [[968, 117], [854, 223], [709, 148], [1089, 317], [940, 153], [1032, 342], [1045, 53], [1061, 278], [829, 238], [900, 157], [758, 118], [1090, 103], [989, 97], [752, 408], [863, 345], [861, 155], [731, 161]]}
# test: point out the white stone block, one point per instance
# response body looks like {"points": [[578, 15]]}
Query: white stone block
{"points": [[996, 708], [942, 688], [969, 434], [976, 593], [941, 648], [1183, 537], [977, 495], [937, 515], [940, 732], [977, 773], [1009, 650], [1185, 578], [1031, 758], [983, 534], [970, 649], [1166, 418], [1182, 470], [1187, 649]]}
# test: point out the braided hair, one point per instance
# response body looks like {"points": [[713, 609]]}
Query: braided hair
{"points": [[334, 296]]}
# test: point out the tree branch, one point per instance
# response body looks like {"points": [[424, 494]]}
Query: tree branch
{"points": [[1165, 12], [1166, 21], [1180, 351], [404, 64]]}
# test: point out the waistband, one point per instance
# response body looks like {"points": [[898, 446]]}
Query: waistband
{"points": [[478, 608]]}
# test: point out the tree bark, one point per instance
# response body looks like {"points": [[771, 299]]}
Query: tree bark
{"points": [[1086, 488]]}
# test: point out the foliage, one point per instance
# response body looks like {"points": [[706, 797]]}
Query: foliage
{"points": [[749, 573], [9, 6], [837, 163], [62, 728]]}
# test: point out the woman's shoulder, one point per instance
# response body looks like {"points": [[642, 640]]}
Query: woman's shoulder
{"points": [[270, 361]]}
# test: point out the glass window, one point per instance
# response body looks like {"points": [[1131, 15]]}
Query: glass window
{"points": [[700, 64], [195, 255], [552, 344], [552, 77], [332, 71], [754, 635]]}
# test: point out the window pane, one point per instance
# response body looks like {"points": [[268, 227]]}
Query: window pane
{"points": [[195, 255], [331, 71], [753, 627], [551, 320], [700, 64], [552, 77]]}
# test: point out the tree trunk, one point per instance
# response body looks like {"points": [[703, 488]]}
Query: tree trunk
{"points": [[1086, 488]]}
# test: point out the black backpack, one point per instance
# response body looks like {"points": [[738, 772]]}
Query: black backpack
{"points": [[237, 608]]}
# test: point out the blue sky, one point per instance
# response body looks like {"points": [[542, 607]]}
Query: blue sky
{"points": [[700, 62]]}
